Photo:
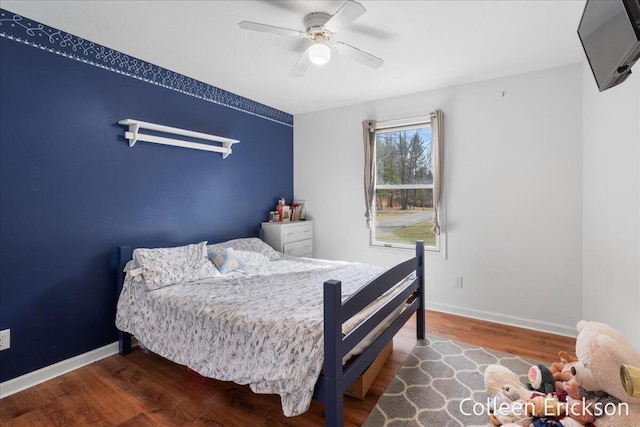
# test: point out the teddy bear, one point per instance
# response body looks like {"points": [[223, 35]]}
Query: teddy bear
{"points": [[600, 350], [561, 370]]}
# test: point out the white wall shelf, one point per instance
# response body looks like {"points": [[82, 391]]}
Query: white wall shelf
{"points": [[134, 135]]}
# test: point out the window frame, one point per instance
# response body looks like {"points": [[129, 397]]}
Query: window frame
{"points": [[390, 126]]}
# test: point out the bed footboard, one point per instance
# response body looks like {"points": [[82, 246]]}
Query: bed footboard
{"points": [[338, 379]]}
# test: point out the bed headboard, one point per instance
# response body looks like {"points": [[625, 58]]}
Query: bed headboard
{"points": [[123, 255]]}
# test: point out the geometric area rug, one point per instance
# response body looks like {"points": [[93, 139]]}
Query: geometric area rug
{"points": [[441, 384]]}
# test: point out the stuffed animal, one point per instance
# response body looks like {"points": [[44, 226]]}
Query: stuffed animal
{"points": [[517, 418], [506, 406], [580, 410], [564, 422], [541, 379], [496, 376], [561, 370], [549, 411], [571, 388], [544, 406], [503, 397], [601, 350], [595, 362], [511, 413]]}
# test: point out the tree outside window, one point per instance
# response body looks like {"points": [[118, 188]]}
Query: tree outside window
{"points": [[403, 201]]}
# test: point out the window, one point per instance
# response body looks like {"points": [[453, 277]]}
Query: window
{"points": [[403, 192]]}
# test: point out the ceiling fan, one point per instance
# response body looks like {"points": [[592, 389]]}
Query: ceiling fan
{"points": [[320, 29]]}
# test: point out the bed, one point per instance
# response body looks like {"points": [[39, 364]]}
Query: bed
{"points": [[281, 324]]}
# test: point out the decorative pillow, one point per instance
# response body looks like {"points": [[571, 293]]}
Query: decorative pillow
{"points": [[250, 244], [162, 267], [225, 260]]}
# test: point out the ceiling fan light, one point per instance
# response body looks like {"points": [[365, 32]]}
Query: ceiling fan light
{"points": [[319, 54]]}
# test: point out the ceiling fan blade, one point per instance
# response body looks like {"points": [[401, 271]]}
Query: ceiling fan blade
{"points": [[357, 54], [347, 13], [301, 66], [255, 26]]}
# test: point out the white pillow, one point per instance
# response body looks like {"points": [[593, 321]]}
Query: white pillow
{"points": [[251, 258], [162, 267], [259, 250]]}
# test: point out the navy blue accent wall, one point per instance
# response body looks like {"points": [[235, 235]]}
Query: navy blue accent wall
{"points": [[71, 190]]}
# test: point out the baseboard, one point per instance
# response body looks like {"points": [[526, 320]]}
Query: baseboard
{"points": [[25, 381], [552, 328]]}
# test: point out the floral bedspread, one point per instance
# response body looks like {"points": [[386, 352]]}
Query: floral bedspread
{"points": [[261, 326]]}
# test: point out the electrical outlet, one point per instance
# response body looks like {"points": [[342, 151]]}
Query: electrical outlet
{"points": [[5, 339], [458, 282]]}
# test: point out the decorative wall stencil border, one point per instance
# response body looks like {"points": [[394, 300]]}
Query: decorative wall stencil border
{"points": [[18, 28]]}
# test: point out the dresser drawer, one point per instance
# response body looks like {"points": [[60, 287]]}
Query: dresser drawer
{"points": [[300, 248], [291, 237], [297, 232]]}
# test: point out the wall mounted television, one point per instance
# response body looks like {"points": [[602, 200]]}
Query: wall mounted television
{"points": [[610, 34]]}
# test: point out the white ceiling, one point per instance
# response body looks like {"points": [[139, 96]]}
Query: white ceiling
{"points": [[425, 44]]}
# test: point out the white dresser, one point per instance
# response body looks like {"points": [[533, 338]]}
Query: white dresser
{"points": [[291, 238]]}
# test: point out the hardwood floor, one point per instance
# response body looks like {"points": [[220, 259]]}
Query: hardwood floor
{"points": [[148, 390], [509, 339]]}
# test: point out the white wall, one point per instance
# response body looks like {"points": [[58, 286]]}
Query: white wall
{"points": [[513, 176], [611, 224]]}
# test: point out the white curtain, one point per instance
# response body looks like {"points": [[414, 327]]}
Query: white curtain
{"points": [[369, 137], [437, 138]]}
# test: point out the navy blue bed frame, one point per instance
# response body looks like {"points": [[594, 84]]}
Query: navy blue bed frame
{"points": [[336, 379]]}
